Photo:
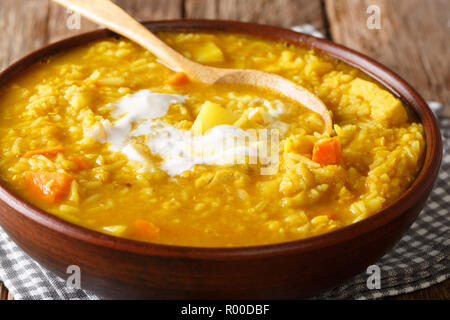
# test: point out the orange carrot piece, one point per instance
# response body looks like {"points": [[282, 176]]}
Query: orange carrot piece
{"points": [[81, 162], [178, 79], [332, 216], [146, 229], [46, 152], [49, 187], [327, 151]]}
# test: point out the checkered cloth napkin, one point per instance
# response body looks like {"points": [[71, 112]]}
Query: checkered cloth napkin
{"points": [[420, 259]]}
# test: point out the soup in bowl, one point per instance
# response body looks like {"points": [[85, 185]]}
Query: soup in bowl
{"points": [[209, 177], [108, 137]]}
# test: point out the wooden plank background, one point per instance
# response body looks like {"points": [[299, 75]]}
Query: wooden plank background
{"points": [[413, 39]]}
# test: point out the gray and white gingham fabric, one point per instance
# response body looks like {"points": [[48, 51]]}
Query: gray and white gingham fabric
{"points": [[28, 280], [420, 259]]}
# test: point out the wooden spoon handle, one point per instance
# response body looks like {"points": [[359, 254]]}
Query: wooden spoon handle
{"points": [[109, 15]]}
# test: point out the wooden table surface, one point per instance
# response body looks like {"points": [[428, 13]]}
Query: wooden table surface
{"points": [[413, 39]]}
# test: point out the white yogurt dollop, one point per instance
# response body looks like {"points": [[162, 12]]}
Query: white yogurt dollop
{"points": [[179, 150], [136, 107]]}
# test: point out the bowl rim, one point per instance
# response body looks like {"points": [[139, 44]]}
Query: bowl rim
{"points": [[416, 191]]}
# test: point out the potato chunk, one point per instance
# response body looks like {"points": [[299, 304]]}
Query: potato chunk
{"points": [[211, 115], [208, 52], [383, 105]]}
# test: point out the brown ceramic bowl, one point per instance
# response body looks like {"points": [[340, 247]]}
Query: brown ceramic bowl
{"points": [[121, 268]]}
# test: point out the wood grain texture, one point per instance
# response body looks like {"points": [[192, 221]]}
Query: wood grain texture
{"points": [[4, 293], [24, 28], [284, 13], [59, 26], [139, 9], [413, 39]]}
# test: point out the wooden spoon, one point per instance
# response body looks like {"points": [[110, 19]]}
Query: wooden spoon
{"points": [[106, 13]]}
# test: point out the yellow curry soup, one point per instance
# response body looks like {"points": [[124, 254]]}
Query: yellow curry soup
{"points": [[101, 136]]}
